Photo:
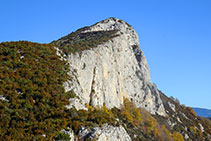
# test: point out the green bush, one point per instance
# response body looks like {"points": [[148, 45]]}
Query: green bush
{"points": [[63, 137]]}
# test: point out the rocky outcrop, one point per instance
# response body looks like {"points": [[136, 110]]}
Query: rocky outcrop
{"points": [[112, 71], [70, 133], [104, 133]]}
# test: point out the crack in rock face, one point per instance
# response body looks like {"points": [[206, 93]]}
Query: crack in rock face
{"points": [[120, 71]]}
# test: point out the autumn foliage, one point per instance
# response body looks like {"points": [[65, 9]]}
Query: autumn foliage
{"points": [[192, 111], [31, 79]]}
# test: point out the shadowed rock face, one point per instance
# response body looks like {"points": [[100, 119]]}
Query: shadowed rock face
{"points": [[112, 71]]}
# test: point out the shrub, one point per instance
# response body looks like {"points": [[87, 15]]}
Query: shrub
{"points": [[141, 121], [130, 113], [166, 134], [177, 136], [63, 137], [192, 111], [193, 130]]}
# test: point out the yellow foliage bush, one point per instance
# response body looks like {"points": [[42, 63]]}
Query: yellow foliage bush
{"points": [[193, 130], [192, 111], [143, 120], [107, 111], [131, 113], [177, 136], [127, 115], [166, 132]]}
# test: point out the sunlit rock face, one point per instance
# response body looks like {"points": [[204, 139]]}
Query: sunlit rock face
{"points": [[104, 133], [112, 71]]}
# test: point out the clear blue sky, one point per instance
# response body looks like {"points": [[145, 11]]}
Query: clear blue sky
{"points": [[175, 35]]}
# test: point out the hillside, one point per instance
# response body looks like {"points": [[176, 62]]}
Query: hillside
{"points": [[93, 84]]}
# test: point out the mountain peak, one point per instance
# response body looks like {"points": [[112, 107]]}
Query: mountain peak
{"points": [[97, 34], [107, 66], [109, 24]]}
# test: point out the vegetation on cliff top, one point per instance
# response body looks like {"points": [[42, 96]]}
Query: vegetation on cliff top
{"points": [[78, 41]]}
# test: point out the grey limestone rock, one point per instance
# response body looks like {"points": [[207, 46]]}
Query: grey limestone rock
{"points": [[114, 70], [70, 133], [3, 98], [106, 132]]}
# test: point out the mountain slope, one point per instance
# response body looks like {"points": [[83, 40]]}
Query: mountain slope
{"points": [[184, 120], [32, 97]]}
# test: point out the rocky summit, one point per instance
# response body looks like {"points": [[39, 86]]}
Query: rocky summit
{"points": [[93, 84], [112, 71]]}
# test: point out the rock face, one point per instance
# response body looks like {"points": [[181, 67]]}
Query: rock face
{"points": [[104, 133], [112, 71]]}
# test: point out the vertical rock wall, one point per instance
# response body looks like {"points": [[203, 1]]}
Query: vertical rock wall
{"points": [[113, 71]]}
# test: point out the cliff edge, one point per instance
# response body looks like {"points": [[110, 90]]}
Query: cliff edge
{"points": [[113, 70]]}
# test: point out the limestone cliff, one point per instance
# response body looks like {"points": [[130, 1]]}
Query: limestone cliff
{"points": [[112, 71]]}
